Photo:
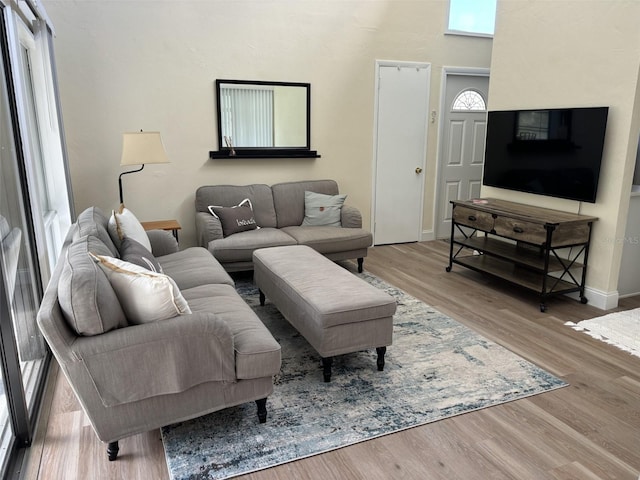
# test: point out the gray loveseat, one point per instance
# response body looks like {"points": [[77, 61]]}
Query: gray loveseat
{"points": [[131, 378], [279, 212]]}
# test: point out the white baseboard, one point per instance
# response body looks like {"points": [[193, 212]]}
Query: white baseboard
{"points": [[427, 235], [598, 298], [633, 294]]}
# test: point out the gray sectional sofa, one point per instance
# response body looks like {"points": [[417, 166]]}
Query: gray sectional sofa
{"points": [[131, 378], [279, 212]]}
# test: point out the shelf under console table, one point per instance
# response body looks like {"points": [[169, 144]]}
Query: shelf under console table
{"points": [[540, 249]]}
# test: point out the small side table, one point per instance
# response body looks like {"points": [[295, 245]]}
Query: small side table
{"points": [[172, 225]]}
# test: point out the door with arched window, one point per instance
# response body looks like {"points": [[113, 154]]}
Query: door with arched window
{"points": [[464, 120]]}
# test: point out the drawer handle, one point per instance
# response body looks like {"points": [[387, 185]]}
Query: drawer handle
{"points": [[472, 218], [518, 229]]}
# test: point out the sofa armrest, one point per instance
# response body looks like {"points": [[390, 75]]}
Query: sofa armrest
{"points": [[350, 217], [170, 356], [208, 228], [162, 242]]}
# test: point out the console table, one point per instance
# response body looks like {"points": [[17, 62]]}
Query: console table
{"points": [[535, 248]]}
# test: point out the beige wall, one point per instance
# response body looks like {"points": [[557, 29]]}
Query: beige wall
{"points": [[577, 53], [151, 65]]}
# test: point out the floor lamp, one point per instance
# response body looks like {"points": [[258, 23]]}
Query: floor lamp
{"points": [[140, 148]]}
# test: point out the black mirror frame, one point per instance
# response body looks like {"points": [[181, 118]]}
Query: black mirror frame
{"points": [[263, 152]]}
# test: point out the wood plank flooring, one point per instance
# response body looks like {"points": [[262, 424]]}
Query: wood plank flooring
{"points": [[590, 430]]}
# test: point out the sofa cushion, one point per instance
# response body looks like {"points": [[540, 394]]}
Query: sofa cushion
{"points": [[194, 266], [87, 300], [163, 242], [238, 218], [331, 239], [145, 296], [257, 352], [124, 223], [134, 252], [240, 247], [288, 199], [322, 210], [228, 195], [93, 221]]}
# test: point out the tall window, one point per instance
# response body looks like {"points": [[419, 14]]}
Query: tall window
{"points": [[39, 132], [475, 17], [35, 213]]}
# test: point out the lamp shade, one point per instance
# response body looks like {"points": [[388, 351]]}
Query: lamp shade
{"points": [[139, 148]]}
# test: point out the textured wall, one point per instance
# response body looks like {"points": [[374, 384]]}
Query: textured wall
{"points": [[130, 65], [574, 54]]}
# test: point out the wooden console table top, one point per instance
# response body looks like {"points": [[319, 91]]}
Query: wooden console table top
{"points": [[529, 213]]}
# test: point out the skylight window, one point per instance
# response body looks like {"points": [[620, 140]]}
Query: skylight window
{"points": [[472, 16]]}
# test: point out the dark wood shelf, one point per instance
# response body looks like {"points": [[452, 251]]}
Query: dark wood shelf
{"points": [[263, 153]]}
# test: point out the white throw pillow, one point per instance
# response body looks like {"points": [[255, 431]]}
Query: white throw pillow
{"points": [[322, 210], [124, 223], [144, 296]]}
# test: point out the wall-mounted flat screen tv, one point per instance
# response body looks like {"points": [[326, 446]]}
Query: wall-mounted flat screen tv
{"points": [[555, 152]]}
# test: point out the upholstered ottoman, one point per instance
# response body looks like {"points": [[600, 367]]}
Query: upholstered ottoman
{"points": [[334, 310]]}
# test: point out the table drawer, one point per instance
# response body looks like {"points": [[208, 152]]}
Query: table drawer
{"points": [[520, 230], [570, 235], [473, 218]]}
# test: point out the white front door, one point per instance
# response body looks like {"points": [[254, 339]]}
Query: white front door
{"points": [[402, 101], [461, 158]]}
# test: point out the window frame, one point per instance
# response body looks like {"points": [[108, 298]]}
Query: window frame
{"points": [[459, 95], [24, 386]]}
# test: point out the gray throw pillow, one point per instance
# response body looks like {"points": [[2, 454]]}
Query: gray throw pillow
{"points": [[238, 218], [87, 300], [134, 252], [322, 210]]}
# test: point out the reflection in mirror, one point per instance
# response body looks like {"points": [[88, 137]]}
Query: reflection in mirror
{"points": [[263, 118]]}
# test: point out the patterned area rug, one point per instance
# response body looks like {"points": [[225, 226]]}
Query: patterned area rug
{"points": [[621, 329], [436, 368]]}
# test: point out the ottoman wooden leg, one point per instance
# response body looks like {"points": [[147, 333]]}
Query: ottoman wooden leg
{"points": [[262, 298], [360, 264], [326, 368], [381, 351]]}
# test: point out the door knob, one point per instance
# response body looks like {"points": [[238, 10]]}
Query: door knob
{"points": [[418, 170]]}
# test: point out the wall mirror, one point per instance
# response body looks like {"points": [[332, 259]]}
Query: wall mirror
{"points": [[263, 119]]}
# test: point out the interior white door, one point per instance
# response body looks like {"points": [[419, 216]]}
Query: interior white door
{"points": [[462, 149], [400, 148]]}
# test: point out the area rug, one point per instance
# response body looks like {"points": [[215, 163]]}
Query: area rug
{"points": [[436, 368], [621, 329]]}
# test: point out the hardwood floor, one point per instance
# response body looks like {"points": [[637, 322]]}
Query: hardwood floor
{"points": [[589, 430]]}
